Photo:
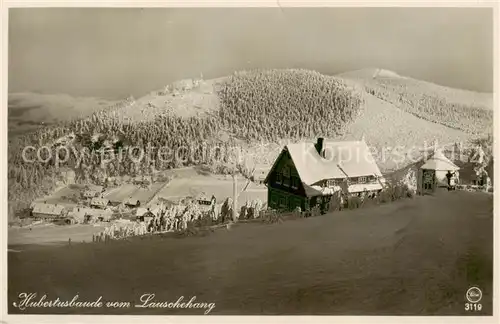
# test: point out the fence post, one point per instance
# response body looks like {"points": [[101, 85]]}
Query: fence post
{"points": [[235, 198]]}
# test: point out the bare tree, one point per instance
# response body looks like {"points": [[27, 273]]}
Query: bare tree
{"points": [[239, 168]]}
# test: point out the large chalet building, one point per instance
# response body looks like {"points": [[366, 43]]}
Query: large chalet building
{"points": [[307, 174]]}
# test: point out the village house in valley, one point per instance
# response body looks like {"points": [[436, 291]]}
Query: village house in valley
{"points": [[77, 215], [47, 211], [92, 191], [306, 174], [81, 215], [154, 209], [100, 203], [99, 215], [132, 203]]}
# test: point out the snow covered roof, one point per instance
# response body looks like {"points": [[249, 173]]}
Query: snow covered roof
{"points": [[48, 209], [354, 158], [92, 190], [101, 202], [79, 213], [310, 166], [131, 201], [341, 160], [439, 162]]}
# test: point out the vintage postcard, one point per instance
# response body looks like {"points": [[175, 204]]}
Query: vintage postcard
{"points": [[232, 159]]}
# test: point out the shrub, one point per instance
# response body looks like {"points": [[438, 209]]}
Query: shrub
{"points": [[395, 192], [354, 202], [204, 221], [410, 193], [335, 203], [315, 211], [272, 216], [193, 230]]}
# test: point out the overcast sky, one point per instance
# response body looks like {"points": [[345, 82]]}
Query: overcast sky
{"points": [[113, 53]]}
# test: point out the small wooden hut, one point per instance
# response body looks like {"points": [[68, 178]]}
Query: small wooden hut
{"points": [[432, 174]]}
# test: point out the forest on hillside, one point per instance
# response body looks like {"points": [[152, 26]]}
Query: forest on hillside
{"points": [[414, 97]]}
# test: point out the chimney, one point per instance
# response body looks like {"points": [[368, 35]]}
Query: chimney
{"points": [[319, 146]]}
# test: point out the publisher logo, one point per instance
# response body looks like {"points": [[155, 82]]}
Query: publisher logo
{"points": [[474, 295]]}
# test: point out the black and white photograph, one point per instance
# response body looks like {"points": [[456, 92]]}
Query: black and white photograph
{"points": [[283, 160]]}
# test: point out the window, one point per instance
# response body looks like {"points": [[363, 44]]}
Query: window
{"points": [[295, 182], [279, 177], [286, 176], [330, 183], [282, 201], [362, 180]]}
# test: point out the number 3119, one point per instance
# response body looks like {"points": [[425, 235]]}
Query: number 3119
{"points": [[473, 307]]}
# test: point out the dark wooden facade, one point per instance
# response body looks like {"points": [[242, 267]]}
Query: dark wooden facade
{"points": [[285, 190]]}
